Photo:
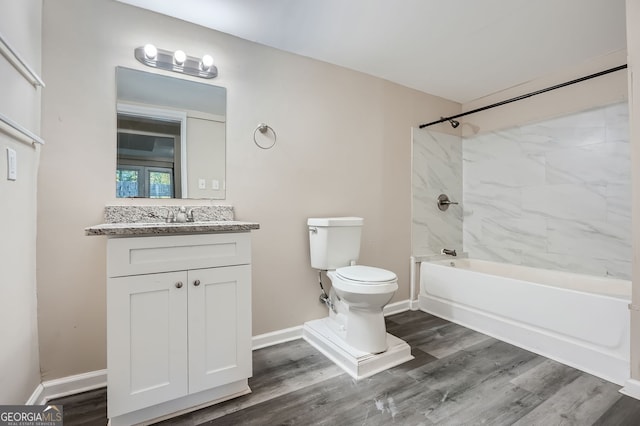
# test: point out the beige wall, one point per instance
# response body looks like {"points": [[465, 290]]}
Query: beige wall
{"points": [[20, 101], [599, 91], [344, 141], [633, 49]]}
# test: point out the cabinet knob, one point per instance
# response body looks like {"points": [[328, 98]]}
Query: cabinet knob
{"points": [[179, 284], [196, 283]]}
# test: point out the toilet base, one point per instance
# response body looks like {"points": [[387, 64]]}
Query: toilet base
{"points": [[357, 364]]}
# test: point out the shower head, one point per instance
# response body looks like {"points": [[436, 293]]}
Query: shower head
{"points": [[454, 123]]}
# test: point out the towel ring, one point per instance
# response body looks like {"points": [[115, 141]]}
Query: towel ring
{"points": [[263, 129]]}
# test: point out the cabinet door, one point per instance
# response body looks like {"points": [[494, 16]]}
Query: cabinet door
{"points": [[219, 326], [146, 340]]}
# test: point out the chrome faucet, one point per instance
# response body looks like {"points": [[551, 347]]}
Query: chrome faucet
{"points": [[171, 217], [181, 216], [449, 252], [190, 217]]}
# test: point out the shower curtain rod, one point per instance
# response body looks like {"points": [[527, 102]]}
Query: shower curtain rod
{"points": [[528, 95]]}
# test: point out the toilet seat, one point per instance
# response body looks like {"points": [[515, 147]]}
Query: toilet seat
{"points": [[367, 275], [361, 279]]}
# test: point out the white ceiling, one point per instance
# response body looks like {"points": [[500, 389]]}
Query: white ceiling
{"points": [[457, 49]]}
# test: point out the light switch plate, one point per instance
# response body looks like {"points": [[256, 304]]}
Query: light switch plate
{"points": [[215, 184], [202, 184], [12, 164]]}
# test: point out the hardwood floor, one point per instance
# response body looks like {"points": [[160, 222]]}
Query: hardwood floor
{"points": [[458, 377]]}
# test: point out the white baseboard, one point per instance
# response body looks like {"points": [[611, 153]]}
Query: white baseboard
{"points": [[70, 385], [34, 399], [275, 337], [631, 388], [396, 308], [414, 305]]}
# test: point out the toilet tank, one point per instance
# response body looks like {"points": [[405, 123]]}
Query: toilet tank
{"points": [[334, 242]]}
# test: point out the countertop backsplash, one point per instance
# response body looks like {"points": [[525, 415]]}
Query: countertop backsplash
{"points": [[158, 214]]}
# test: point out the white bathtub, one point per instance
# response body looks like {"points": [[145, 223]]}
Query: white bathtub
{"points": [[578, 320]]}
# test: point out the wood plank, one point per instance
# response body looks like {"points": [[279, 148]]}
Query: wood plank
{"points": [[458, 377], [86, 408], [546, 378], [581, 402], [278, 370], [625, 412], [449, 339]]}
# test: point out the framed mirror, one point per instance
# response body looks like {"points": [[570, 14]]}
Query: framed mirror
{"points": [[171, 137]]}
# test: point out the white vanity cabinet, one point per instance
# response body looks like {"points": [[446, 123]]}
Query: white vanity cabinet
{"points": [[178, 323]]}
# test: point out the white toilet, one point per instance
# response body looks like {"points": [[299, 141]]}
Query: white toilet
{"points": [[359, 293]]}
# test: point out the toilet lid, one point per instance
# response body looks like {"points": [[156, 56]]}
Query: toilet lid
{"points": [[365, 274]]}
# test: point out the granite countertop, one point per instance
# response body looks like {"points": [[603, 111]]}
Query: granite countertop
{"points": [[150, 220], [157, 228]]}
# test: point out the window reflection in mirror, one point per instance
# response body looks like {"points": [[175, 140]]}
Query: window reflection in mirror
{"points": [[171, 137], [148, 158]]}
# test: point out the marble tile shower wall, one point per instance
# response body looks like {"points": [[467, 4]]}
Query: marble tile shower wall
{"points": [[437, 169], [555, 194]]}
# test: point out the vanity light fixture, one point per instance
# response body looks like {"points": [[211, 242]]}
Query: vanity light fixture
{"points": [[177, 61]]}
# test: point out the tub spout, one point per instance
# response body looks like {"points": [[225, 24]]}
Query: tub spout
{"points": [[449, 252]]}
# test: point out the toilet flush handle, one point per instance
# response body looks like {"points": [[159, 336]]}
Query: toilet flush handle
{"points": [[313, 229]]}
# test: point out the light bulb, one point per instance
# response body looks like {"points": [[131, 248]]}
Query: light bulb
{"points": [[179, 56], [150, 51], [207, 61]]}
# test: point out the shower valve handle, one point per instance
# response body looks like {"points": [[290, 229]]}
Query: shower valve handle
{"points": [[444, 202]]}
